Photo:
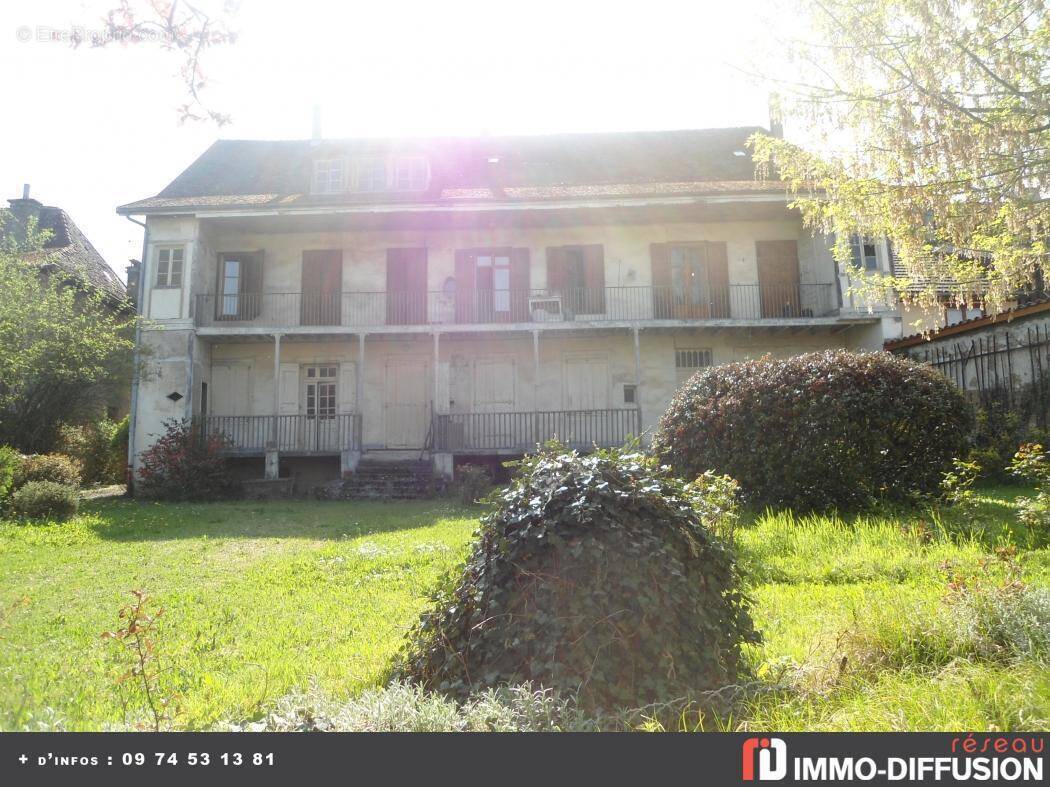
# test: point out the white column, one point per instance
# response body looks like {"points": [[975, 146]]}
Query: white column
{"points": [[638, 378], [360, 383], [272, 466], [536, 437]]}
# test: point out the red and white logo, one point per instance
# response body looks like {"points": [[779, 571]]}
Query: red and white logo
{"points": [[771, 754]]}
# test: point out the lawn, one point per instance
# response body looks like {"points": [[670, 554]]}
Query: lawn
{"points": [[262, 599]]}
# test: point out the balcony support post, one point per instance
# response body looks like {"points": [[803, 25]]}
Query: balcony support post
{"points": [[535, 387], [273, 463], [638, 377]]}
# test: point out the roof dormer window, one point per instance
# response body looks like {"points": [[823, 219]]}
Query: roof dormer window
{"points": [[410, 173], [374, 174], [329, 177], [371, 174]]}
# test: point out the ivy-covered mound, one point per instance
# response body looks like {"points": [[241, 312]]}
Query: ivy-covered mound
{"points": [[596, 576], [818, 431]]}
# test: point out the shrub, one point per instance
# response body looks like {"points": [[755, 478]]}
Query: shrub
{"points": [[10, 459], [595, 576], [96, 448], [472, 483], [405, 708], [40, 500], [818, 431], [58, 468], [183, 465], [1032, 464]]}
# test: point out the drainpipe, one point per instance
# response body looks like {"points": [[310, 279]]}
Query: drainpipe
{"points": [[139, 300]]}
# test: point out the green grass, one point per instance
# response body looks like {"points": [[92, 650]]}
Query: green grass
{"points": [[264, 599], [258, 599]]}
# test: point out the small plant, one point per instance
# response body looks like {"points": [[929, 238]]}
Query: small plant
{"points": [[185, 465], [9, 462], [999, 618], [1032, 464], [135, 639], [48, 467], [715, 499], [472, 483], [957, 491], [44, 500]]}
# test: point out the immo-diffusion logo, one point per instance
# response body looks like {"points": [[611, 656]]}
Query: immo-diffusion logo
{"points": [[771, 755]]}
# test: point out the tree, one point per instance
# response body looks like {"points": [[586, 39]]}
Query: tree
{"points": [[187, 29], [64, 346], [945, 109]]}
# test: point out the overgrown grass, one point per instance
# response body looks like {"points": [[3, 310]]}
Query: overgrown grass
{"points": [[259, 600], [267, 601]]}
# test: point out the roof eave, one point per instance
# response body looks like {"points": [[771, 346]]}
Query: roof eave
{"points": [[465, 206]]}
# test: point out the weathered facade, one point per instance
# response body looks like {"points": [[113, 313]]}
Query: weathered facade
{"points": [[317, 302]]}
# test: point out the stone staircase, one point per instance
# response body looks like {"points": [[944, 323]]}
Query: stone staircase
{"points": [[387, 480]]}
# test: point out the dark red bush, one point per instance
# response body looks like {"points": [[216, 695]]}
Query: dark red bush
{"points": [[184, 465], [824, 430]]}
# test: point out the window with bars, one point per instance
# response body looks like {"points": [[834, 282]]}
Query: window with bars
{"points": [[169, 266], [688, 360]]}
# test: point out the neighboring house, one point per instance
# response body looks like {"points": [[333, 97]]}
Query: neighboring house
{"points": [[68, 254], [1005, 356], [322, 301]]}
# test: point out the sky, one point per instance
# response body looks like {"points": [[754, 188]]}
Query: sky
{"points": [[93, 128]]}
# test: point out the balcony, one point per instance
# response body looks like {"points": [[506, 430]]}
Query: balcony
{"points": [[520, 432], [290, 434], [745, 302]]}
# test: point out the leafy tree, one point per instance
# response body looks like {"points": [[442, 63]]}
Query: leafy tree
{"points": [[929, 123], [64, 347]]}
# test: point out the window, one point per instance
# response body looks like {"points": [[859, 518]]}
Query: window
{"points": [[371, 174], [630, 394], [320, 391], [494, 274], [169, 266], [688, 361], [863, 253], [410, 174], [577, 275], [239, 286], [328, 176], [689, 274]]}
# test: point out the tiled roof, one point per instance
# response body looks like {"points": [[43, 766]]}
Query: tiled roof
{"points": [[252, 174], [1027, 309], [69, 249]]}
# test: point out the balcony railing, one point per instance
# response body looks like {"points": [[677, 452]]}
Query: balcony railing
{"points": [[300, 434], [477, 307], [522, 431]]}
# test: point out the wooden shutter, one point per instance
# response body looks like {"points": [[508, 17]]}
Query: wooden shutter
{"points": [[778, 278], [519, 285], [288, 393], [466, 297], [252, 286], [555, 269], [661, 278], [594, 279], [347, 388], [718, 278]]}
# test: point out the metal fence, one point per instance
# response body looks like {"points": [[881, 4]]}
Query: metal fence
{"points": [[522, 431], [1001, 372], [303, 434], [475, 307]]}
